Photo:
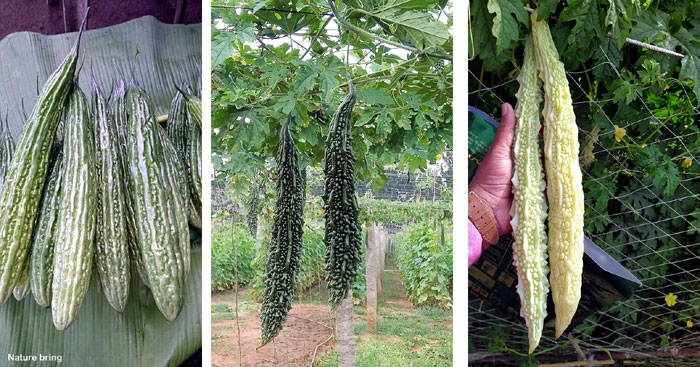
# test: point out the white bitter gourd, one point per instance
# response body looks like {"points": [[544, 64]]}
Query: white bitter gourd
{"points": [[564, 187]]}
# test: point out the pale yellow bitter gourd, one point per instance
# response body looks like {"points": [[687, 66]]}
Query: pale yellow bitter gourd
{"points": [[529, 208], [564, 187]]}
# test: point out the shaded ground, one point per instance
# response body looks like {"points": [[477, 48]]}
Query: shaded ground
{"points": [[304, 330], [405, 336]]}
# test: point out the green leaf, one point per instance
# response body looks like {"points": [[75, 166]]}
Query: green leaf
{"points": [[424, 31], [507, 15], [221, 47]]}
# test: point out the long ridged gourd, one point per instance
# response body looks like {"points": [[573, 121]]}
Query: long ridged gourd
{"points": [[75, 235], [159, 205], [44, 239], [529, 208], [564, 179], [343, 237], [19, 201], [111, 238], [194, 152], [182, 135], [121, 121], [7, 150], [284, 252]]}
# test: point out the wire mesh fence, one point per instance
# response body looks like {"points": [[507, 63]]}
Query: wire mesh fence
{"points": [[641, 184]]}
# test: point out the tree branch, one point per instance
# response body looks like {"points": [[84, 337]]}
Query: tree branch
{"points": [[313, 41]]}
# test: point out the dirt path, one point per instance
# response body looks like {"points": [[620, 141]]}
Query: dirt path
{"points": [[304, 330]]}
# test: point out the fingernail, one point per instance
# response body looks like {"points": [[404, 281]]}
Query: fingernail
{"points": [[504, 109]]}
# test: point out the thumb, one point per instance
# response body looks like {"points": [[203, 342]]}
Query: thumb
{"points": [[504, 136]]}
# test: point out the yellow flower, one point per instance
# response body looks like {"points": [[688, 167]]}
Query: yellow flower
{"points": [[689, 323], [671, 299], [225, 213], [437, 157], [687, 161], [619, 133]]}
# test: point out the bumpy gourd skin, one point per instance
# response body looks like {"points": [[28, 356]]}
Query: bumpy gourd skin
{"points": [[75, 235], [529, 208], [121, 120], [7, 150], [111, 242], [343, 231], [564, 187], [284, 254], [25, 178], [159, 203], [44, 239]]}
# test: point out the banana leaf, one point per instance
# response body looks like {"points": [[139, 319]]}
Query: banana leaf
{"points": [[157, 57]]}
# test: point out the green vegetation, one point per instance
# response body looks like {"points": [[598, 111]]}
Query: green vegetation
{"points": [[424, 257]]}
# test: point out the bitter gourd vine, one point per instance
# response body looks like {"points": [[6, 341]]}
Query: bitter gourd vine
{"points": [[284, 253], [343, 233], [529, 208], [564, 179]]}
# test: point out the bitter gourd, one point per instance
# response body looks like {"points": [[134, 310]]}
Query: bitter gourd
{"points": [[253, 209], [121, 121], [529, 208], [564, 187], [22, 288], [44, 240], [187, 142], [284, 253], [111, 243], [75, 235], [19, 201], [160, 209], [7, 149], [343, 237]]}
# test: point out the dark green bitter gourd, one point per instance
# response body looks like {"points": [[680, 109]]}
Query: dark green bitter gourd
{"points": [[25, 179], [343, 237], [75, 235], [111, 238], [121, 120], [284, 253], [253, 209], [44, 239], [159, 202]]}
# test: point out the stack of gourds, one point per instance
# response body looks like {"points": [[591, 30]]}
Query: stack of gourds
{"points": [[102, 186]]}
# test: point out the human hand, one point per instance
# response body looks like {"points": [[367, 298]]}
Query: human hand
{"points": [[492, 180]]}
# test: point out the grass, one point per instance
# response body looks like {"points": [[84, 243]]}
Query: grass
{"points": [[404, 337], [421, 338]]}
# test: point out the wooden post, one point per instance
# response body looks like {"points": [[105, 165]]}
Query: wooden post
{"points": [[371, 271], [383, 239], [345, 333]]}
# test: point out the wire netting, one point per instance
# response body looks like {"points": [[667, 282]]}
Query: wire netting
{"points": [[636, 211]]}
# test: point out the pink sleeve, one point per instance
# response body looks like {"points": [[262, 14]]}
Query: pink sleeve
{"points": [[475, 242]]}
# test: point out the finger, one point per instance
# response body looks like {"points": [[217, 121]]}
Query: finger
{"points": [[504, 136]]}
